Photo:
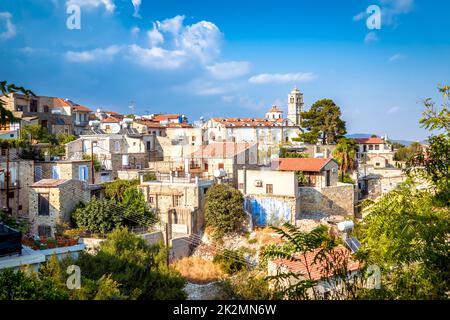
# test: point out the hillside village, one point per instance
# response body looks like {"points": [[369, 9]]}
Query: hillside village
{"points": [[58, 156]]}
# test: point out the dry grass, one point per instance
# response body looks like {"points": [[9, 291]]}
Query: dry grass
{"points": [[198, 270]]}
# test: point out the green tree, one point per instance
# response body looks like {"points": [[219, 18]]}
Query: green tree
{"points": [[116, 189], [224, 209], [64, 138], [6, 89], [99, 216], [345, 154], [140, 270], [323, 121], [18, 285], [433, 165], [136, 207]]}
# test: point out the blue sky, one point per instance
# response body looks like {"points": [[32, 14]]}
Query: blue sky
{"points": [[233, 58]]}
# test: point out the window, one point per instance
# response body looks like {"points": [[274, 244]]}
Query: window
{"points": [[269, 188], [193, 138], [371, 147], [83, 173], [55, 172], [33, 106], [240, 186], [149, 145], [377, 164], [3, 152], [221, 165], [46, 109], [377, 147], [44, 231], [108, 127], [151, 199], [177, 201], [43, 204], [37, 173], [20, 108], [117, 146]]}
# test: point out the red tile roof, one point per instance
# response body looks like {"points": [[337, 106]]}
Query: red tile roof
{"points": [[179, 125], [274, 109], [150, 124], [301, 164], [81, 108], [370, 141], [49, 183], [58, 102], [340, 257], [162, 117], [110, 120], [251, 122]]}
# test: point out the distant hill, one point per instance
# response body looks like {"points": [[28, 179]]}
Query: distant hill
{"points": [[359, 135]]}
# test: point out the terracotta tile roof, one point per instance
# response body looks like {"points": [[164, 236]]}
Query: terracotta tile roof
{"points": [[179, 125], [274, 109], [339, 256], [150, 124], [251, 122], [110, 120], [112, 113], [58, 102], [81, 108], [162, 117], [219, 150], [370, 140], [49, 183], [301, 164]]}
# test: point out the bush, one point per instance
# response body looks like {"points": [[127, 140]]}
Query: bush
{"points": [[224, 210], [230, 261], [99, 216]]}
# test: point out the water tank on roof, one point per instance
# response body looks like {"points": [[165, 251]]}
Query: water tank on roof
{"points": [[345, 226], [220, 173]]}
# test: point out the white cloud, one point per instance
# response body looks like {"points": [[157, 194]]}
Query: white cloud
{"points": [[98, 54], [156, 57], [360, 16], [108, 4], [229, 70], [172, 45], [390, 10], [393, 110], [370, 37], [10, 29], [197, 42], [397, 57], [283, 78], [155, 36], [136, 5], [202, 39], [172, 25], [135, 30]]}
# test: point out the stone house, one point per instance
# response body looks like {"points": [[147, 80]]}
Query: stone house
{"points": [[319, 172], [48, 110], [65, 169], [178, 201], [15, 195], [51, 201], [375, 151], [115, 152]]}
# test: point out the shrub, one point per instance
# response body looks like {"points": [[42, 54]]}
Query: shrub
{"points": [[230, 261], [224, 210]]}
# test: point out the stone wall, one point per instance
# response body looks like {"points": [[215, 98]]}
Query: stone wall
{"points": [[62, 201], [339, 200]]}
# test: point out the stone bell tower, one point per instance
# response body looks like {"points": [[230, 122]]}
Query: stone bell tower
{"points": [[295, 106]]}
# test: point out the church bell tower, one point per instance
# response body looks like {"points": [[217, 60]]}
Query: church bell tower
{"points": [[295, 106]]}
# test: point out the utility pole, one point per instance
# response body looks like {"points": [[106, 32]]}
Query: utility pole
{"points": [[7, 181], [92, 163]]}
